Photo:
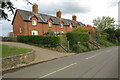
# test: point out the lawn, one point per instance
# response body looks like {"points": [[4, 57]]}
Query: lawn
{"points": [[11, 50]]}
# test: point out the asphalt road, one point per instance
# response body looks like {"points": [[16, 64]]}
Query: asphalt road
{"points": [[101, 63]]}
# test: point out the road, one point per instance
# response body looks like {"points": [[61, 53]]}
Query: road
{"points": [[102, 63]]}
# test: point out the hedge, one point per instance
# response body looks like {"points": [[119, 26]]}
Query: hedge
{"points": [[44, 40], [74, 37], [104, 42]]}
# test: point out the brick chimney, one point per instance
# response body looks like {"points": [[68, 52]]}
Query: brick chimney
{"points": [[74, 18], [58, 14], [35, 8]]}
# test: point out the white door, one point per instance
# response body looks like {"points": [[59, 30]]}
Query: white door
{"points": [[34, 32]]}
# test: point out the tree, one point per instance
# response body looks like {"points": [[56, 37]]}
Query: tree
{"points": [[114, 34], [104, 23], [8, 5], [81, 29], [49, 32]]}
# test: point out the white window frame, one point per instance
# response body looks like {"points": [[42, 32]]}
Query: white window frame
{"points": [[35, 32], [62, 32], [61, 25], [50, 24], [71, 26], [20, 30], [34, 22]]}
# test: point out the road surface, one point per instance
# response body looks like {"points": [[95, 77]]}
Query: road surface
{"points": [[102, 63]]}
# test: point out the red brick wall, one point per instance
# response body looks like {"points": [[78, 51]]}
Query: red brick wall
{"points": [[17, 24], [27, 27]]}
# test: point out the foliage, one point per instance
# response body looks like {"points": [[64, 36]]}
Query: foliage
{"points": [[77, 38], [104, 42], [6, 5], [104, 23], [50, 32], [10, 50], [90, 28], [12, 39], [79, 48], [74, 37], [114, 35], [81, 29], [104, 36], [44, 40]]}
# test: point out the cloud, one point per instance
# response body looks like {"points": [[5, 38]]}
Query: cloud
{"points": [[66, 7], [6, 28], [112, 3]]}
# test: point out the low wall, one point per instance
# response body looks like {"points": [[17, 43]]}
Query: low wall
{"points": [[13, 61]]}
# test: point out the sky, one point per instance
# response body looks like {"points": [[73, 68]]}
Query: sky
{"points": [[85, 10]]}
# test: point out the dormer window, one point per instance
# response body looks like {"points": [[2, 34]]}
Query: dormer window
{"points": [[49, 24], [61, 25], [34, 23], [70, 26]]}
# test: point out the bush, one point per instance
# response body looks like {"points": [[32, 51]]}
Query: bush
{"points": [[104, 42], [78, 48], [47, 41], [49, 32], [74, 37], [104, 36], [12, 39]]}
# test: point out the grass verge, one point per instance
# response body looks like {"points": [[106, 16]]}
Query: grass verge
{"points": [[11, 50]]}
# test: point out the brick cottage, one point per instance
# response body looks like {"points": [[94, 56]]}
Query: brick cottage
{"points": [[34, 23]]}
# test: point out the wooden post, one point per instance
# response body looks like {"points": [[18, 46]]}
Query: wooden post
{"points": [[68, 46]]}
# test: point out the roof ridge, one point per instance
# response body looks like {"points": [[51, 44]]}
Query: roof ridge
{"points": [[25, 14], [47, 15]]}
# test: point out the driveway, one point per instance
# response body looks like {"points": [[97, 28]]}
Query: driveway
{"points": [[41, 53]]}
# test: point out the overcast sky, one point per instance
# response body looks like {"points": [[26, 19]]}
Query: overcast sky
{"points": [[85, 10]]}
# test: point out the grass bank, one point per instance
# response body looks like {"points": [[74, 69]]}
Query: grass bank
{"points": [[11, 50]]}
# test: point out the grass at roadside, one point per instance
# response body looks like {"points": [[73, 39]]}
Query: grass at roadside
{"points": [[11, 50]]}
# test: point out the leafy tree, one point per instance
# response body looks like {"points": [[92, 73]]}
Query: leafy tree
{"points": [[104, 23], [8, 5], [114, 35], [49, 32], [81, 29]]}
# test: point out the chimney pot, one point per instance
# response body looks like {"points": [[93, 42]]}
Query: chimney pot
{"points": [[58, 14], [35, 8], [74, 18]]}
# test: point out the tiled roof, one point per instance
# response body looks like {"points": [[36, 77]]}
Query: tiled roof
{"points": [[26, 15]]}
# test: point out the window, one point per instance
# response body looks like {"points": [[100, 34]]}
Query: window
{"points": [[34, 23], [62, 32], [34, 32], [61, 25], [20, 30], [70, 26], [49, 24], [55, 33]]}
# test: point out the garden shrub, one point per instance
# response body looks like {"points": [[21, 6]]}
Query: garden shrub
{"points": [[45, 40], [104, 42], [78, 48], [11, 39], [104, 36], [74, 37]]}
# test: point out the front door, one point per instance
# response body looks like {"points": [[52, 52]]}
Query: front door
{"points": [[34, 32]]}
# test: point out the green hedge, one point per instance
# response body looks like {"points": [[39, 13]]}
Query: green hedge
{"points": [[104, 42], [104, 36], [74, 37], [44, 40]]}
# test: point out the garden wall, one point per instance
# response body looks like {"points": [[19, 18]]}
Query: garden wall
{"points": [[13, 61]]}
